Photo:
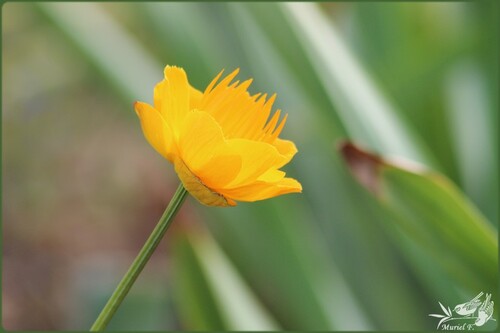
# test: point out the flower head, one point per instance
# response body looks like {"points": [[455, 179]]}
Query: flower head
{"points": [[222, 143]]}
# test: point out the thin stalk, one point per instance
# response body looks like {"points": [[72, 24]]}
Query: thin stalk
{"points": [[140, 261]]}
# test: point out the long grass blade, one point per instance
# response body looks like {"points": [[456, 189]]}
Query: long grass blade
{"points": [[367, 114]]}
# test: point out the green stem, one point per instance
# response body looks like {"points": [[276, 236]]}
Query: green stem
{"points": [[140, 261]]}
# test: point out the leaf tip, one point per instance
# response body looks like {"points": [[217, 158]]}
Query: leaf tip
{"points": [[364, 166]]}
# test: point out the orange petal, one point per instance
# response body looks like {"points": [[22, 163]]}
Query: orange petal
{"points": [[222, 168], [240, 114], [173, 97], [286, 148], [197, 189], [272, 176], [195, 97], [156, 130], [159, 94], [257, 158], [205, 151], [260, 190], [199, 137]]}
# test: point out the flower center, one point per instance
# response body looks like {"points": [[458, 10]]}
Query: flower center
{"points": [[196, 188]]}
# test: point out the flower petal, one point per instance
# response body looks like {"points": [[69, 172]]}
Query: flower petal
{"points": [[272, 176], [199, 190], [257, 158], [286, 148], [205, 151], [260, 190], [239, 114], [200, 136], [171, 97], [158, 94], [195, 96], [156, 130], [222, 168]]}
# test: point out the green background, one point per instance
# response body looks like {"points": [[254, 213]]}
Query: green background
{"points": [[82, 189]]}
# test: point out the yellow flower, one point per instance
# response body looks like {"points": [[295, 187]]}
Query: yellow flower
{"points": [[220, 141]]}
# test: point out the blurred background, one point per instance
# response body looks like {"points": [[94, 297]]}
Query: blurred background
{"points": [[82, 189]]}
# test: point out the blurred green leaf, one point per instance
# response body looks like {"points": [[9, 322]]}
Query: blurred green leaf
{"points": [[131, 82], [195, 302], [477, 153], [223, 293], [434, 215], [288, 265], [366, 113]]}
